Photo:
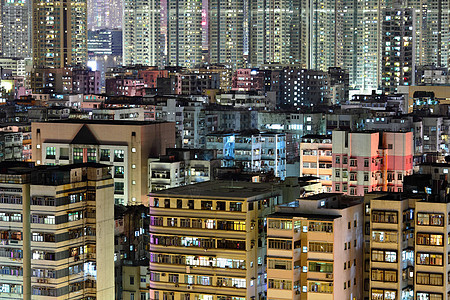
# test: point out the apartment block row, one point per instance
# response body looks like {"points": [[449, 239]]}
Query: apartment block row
{"points": [[253, 240], [240, 241]]}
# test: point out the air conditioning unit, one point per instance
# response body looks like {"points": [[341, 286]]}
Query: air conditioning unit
{"points": [[177, 285], [190, 287], [329, 276]]}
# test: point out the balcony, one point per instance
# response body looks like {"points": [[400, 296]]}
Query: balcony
{"points": [[320, 276]]}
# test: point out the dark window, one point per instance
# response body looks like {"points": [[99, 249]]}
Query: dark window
{"points": [[166, 203], [220, 205], [179, 203], [206, 205], [191, 204], [235, 206]]}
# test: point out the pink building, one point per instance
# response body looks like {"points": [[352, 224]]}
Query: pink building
{"points": [[365, 161], [150, 77], [125, 87], [85, 81], [92, 102], [247, 80]]}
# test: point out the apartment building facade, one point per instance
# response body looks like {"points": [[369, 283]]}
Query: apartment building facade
{"points": [[316, 159], [207, 240], [408, 246], [57, 232], [125, 145], [315, 248], [366, 161], [172, 170], [252, 151]]}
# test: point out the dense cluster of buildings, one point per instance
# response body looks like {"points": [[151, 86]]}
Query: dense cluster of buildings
{"points": [[386, 42], [224, 150], [283, 204]]}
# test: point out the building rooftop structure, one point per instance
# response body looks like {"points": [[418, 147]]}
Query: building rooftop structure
{"points": [[26, 172], [222, 189]]}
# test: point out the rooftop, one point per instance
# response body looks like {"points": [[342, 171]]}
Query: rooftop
{"points": [[25, 172], [105, 122], [316, 136], [435, 164], [221, 188], [322, 196], [391, 196]]}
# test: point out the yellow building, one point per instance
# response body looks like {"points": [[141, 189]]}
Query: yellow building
{"points": [[441, 93], [408, 240], [315, 249], [207, 240], [59, 33], [135, 281], [57, 232]]}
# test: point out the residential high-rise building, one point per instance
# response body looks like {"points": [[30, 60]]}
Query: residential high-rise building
{"points": [[124, 145], [370, 161], [59, 33], [104, 14], [391, 262], [274, 32], [207, 240], [227, 32], [361, 42], [406, 246], [105, 42], [432, 32], [141, 32], [344, 33], [325, 33], [398, 48], [16, 28], [57, 228], [184, 33]]}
